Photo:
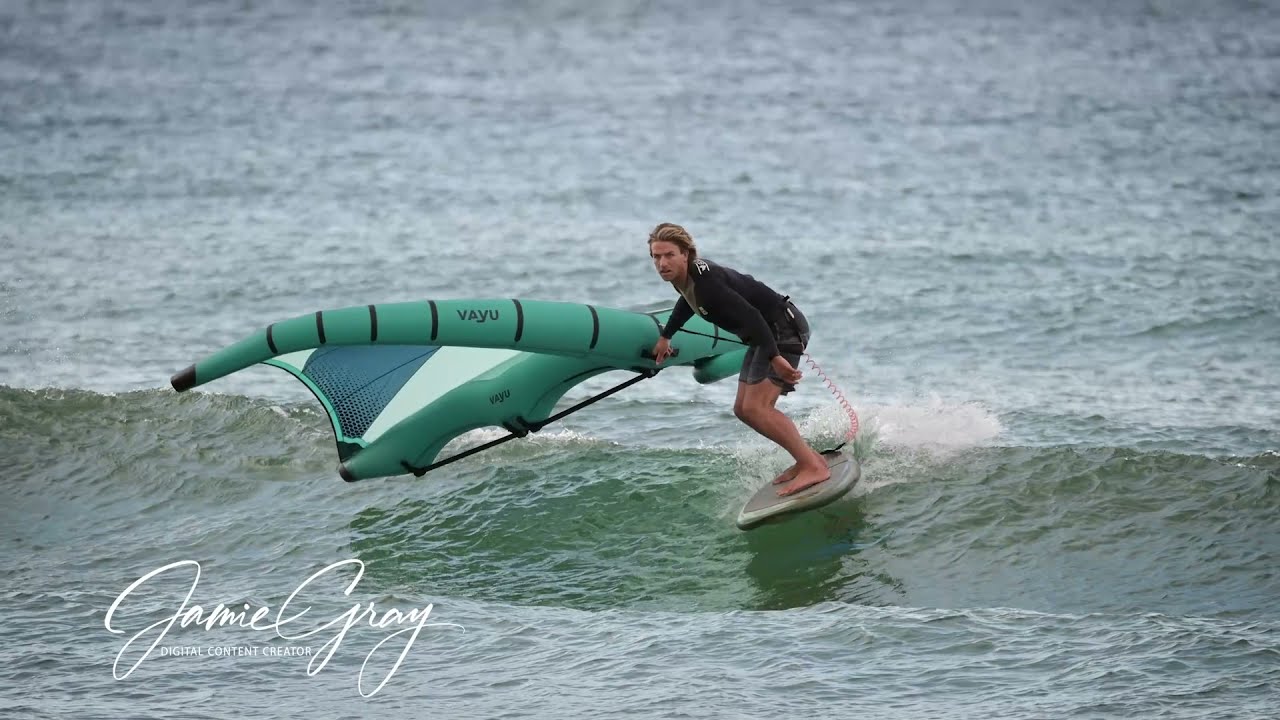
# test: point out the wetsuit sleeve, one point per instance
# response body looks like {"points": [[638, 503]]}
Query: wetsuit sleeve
{"points": [[729, 303], [679, 316]]}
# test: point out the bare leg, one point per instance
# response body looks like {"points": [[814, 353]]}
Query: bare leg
{"points": [[755, 406]]}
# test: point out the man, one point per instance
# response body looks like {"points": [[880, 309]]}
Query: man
{"points": [[773, 327]]}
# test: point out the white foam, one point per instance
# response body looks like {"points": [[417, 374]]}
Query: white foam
{"points": [[912, 441], [894, 441], [561, 436], [943, 429]]}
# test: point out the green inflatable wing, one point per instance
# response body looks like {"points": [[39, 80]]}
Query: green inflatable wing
{"points": [[399, 381]]}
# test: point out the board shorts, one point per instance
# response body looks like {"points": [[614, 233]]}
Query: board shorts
{"points": [[791, 334]]}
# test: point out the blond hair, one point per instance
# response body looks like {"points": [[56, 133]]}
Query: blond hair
{"points": [[678, 236]]}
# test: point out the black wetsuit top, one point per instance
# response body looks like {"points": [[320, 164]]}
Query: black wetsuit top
{"points": [[733, 301]]}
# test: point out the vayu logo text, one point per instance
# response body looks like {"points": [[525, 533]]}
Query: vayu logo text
{"points": [[478, 315]]}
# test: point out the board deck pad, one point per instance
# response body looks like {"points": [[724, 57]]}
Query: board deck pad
{"points": [[766, 505]]}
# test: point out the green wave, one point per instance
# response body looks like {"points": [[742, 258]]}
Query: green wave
{"points": [[571, 521]]}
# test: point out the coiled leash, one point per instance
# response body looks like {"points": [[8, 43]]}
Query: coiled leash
{"points": [[826, 379]]}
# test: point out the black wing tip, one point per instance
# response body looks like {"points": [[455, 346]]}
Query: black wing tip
{"points": [[184, 380]]}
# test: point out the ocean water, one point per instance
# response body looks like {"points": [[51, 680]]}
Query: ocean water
{"points": [[1036, 242]]}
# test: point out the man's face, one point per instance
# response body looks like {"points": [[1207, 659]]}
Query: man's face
{"points": [[670, 260]]}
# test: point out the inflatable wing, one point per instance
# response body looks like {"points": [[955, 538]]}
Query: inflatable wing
{"points": [[399, 381]]}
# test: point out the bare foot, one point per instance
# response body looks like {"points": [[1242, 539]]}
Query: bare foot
{"points": [[786, 475], [808, 476]]}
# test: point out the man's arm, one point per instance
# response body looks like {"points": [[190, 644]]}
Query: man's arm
{"points": [[679, 316], [756, 331]]}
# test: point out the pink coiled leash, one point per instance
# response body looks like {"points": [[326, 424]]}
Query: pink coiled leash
{"points": [[840, 398], [831, 385]]}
